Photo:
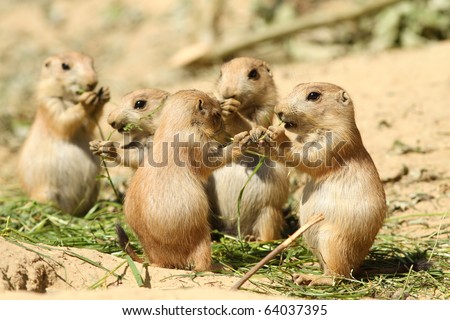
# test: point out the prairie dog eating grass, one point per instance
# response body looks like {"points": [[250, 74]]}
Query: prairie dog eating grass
{"points": [[248, 94], [55, 164], [166, 203], [136, 118], [344, 184]]}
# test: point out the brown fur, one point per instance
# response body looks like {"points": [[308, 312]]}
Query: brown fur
{"points": [[137, 118], [346, 188], [166, 205], [55, 164], [248, 92]]}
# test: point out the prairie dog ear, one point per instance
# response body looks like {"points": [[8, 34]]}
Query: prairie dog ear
{"points": [[47, 63], [163, 99], [267, 67], [344, 98], [200, 105]]}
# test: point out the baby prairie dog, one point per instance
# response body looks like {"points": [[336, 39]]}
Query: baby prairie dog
{"points": [[55, 163], [344, 184], [137, 118], [166, 203], [248, 94]]}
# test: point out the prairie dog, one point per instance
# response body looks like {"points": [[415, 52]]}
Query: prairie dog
{"points": [[55, 163], [344, 183], [166, 203], [248, 94], [137, 118]]}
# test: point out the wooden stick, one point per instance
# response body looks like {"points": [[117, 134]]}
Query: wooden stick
{"points": [[277, 250], [225, 48]]}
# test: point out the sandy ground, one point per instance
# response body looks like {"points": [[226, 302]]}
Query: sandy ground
{"points": [[402, 101], [60, 274]]}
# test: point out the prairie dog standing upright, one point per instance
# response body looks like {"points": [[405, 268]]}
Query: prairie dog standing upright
{"points": [[166, 203], [344, 183], [248, 94], [55, 163], [137, 118]]}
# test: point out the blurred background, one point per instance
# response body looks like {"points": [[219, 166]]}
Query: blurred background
{"points": [[176, 44]]}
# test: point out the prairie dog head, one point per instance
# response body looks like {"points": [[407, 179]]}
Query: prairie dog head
{"points": [[67, 76], [138, 112], [247, 80], [192, 111], [317, 106]]}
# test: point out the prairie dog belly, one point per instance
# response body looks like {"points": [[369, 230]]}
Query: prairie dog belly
{"points": [[81, 170], [67, 177], [267, 188], [181, 212], [352, 217]]}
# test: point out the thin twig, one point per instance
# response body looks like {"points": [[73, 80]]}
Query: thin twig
{"points": [[277, 250], [108, 176]]}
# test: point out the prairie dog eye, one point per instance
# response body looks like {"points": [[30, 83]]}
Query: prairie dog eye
{"points": [[313, 96], [65, 66], [253, 74], [140, 104]]}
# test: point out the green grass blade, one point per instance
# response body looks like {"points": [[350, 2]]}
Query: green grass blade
{"points": [[134, 270], [241, 193]]}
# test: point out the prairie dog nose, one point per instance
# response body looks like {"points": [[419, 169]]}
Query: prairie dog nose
{"points": [[112, 119], [228, 94], [91, 86]]}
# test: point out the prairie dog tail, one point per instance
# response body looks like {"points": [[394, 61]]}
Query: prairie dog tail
{"points": [[124, 243]]}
